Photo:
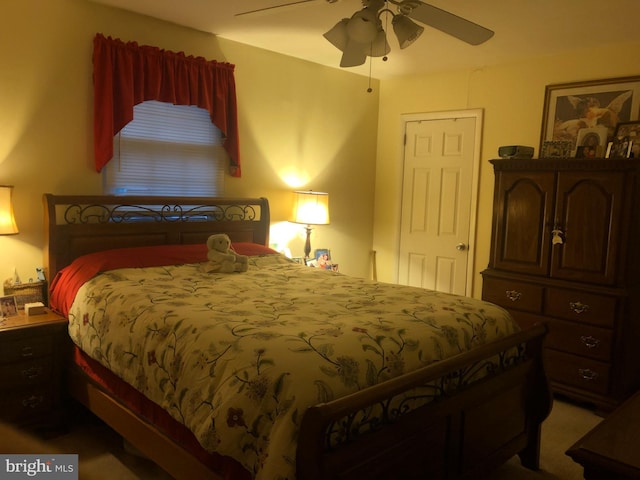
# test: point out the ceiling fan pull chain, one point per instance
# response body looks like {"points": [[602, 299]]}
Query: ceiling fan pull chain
{"points": [[369, 90]]}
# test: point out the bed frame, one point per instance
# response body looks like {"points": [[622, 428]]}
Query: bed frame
{"points": [[464, 431]]}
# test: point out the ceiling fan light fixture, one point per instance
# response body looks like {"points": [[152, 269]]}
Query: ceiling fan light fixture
{"points": [[406, 30], [338, 36], [380, 47], [353, 55], [363, 26]]}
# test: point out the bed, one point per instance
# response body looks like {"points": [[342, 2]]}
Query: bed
{"points": [[333, 384]]}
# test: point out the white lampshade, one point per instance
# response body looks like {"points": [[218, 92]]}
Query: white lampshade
{"points": [[7, 220], [380, 47], [310, 208], [406, 30], [337, 36], [363, 26]]}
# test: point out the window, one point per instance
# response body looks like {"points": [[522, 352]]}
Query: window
{"points": [[167, 150]]}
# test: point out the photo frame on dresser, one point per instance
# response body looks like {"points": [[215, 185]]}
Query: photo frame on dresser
{"points": [[552, 149], [569, 107], [591, 142], [631, 132], [8, 306], [619, 147]]}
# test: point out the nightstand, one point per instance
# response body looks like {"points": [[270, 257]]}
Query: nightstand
{"points": [[31, 359]]}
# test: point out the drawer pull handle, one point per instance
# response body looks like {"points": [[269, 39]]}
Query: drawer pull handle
{"points": [[590, 342], [27, 352], [513, 295], [587, 374], [33, 401], [32, 373], [578, 307]]}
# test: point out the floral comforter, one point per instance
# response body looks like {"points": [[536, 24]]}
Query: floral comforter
{"points": [[238, 357]]}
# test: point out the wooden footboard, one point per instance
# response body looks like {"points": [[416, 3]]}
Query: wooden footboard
{"points": [[462, 433]]}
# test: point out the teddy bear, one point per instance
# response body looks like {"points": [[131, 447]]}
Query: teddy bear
{"points": [[222, 258]]}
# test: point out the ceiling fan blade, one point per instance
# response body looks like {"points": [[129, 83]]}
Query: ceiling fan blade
{"points": [[447, 22], [273, 7]]}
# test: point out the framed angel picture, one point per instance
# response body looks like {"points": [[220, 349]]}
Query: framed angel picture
{"points": [[572, 107]]}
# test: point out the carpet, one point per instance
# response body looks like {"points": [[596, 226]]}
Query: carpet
{"points": [[103, 455]]}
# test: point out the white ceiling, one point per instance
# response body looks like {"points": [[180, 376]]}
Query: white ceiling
{"points": [[522, 27]]}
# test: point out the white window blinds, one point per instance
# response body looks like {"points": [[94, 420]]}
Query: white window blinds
{"points": [[167, 150]]}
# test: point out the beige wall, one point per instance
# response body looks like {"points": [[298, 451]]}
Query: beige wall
{"points": [[297, 121], [512, 97], [301, 125]]}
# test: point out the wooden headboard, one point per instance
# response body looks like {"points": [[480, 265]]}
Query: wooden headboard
{"points": [[79, 224]]}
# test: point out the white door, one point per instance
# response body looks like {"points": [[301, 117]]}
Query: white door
{"points": [[438, 203]]}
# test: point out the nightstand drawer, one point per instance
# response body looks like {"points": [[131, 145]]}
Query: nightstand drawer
{"points": [[577, 371], [25, 404], [581, 307], [16, 375], [585, 340], [513, 294], [21, 349]]}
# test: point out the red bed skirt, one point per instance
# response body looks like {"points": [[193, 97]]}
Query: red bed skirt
{"points": [[223, 466]]}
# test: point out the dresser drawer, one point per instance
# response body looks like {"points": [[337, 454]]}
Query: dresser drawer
{"points": [[513, 294], [584, 340], [20, 349], [16, 375], [581, 307], [576, 371], [24, 404]]}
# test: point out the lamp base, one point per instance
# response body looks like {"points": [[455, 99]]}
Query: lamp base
{"points": [[307, 243]]}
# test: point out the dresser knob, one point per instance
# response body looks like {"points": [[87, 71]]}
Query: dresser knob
{"points": [[578, 307], [27, 352], [33, 401], [590, 342], [513, 295], [588, 374], [32, 373]]}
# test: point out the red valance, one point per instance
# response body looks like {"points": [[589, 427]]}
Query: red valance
{"points": [[126, 74]]}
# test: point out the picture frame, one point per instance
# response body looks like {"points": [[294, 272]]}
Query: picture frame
{"points": [[555, 149], [591, 142], [322, 259], [8, 306], [630, 129], [619, 147], [568, 107]]}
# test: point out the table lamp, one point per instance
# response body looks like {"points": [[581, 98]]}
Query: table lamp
{"points": [[310, 208], [7, 220]]}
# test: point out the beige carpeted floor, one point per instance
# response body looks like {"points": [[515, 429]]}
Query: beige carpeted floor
{"points": [[565, 425], [103, 456]]}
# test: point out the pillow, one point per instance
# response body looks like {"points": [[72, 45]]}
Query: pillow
{"points": [[67, 281], [250, 249]]}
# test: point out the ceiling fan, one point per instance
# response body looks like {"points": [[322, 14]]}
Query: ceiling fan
{"points": [[282, 5], [363, 35]]}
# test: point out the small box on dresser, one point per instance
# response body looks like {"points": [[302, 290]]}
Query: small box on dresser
{"points": [[32, 351]]}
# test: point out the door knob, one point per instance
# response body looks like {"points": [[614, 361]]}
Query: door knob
{"points": [[461, 247]]}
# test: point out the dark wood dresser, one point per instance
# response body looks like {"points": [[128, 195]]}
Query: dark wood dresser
{"points": [[32, 350], [565, 249]]}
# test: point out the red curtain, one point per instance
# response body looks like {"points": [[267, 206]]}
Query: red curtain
{"points": [[126, 74]]}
